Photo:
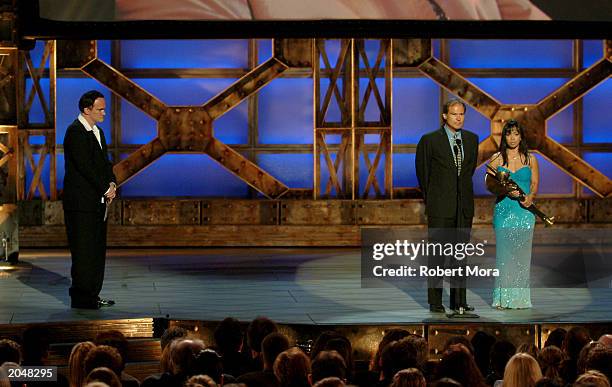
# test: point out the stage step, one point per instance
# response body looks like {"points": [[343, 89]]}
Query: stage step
{"points": [[139, 350], [77, 331]]}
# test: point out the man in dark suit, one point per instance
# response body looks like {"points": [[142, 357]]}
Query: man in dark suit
{"points": [[89, 187], [445, 163]]}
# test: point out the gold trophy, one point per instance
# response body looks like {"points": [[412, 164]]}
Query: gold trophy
{"points": [[500, 183]]}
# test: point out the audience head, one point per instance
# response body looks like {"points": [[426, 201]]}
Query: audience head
{"points": [[592, 379], [257, 330], [35, 346], [575, 339], [343, 346], [556, 337], [104, 375], [455, 342], [420, 345], [96, 384], [584, 353], [460, 366], [76, 362], [271, 346], [115, 339], [410, 377], [550, 359], [209, 362], [397, 356], [328, 364], [529, 348], [330, 382], [501, 352], [600, 359], [103, 356], [172, 334], [482, 343], [292, 368], [200, 381], [321, 341], [606, 340], [9, 351], [228, 336], [390, 335], [183, 355], [522, 370]]}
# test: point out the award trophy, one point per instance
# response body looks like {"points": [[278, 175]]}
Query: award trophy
{"points": [[500, 184]]}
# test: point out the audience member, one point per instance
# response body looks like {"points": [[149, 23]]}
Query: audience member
{"points": [[200, 381], [390, 335], [343, 346], [329, 382], [460, 366], [117, 340], [76, 363], [271, 346], [529, 348], [104, 375], [600, 359], [550, 360], [455, 342], [9, 351], [229, 340], [575, 339], [482, 343], [501, 352], [292, 368], [606, 340], [556, 337], [327, 364], [522, 370], [396, 356], [257, 330], [209, 362], [102, 356], [592, 379], [171, 334], [410, 377]]}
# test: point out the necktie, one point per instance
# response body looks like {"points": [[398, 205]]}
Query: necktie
{"points": [[96, 133], [458, 155]]}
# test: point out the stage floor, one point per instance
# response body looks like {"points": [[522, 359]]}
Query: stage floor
{"points": [[289, 285]]}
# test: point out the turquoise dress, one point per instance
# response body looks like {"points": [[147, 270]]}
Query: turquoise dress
{"points": [[513, 226]]}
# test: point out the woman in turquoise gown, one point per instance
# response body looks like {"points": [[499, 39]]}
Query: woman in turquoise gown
{"points": [[512, 222]]}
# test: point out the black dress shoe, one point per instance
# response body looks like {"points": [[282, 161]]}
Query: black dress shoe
{"points": [[437, 308], [105, 302]]}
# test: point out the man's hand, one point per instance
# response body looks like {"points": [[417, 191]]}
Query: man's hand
{"points": [[111, 192]]}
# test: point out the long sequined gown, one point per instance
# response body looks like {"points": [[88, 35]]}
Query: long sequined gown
{"points": [[513, 226]]}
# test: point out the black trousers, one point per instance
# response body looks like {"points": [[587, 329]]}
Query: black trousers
{"points": [[447, 230], [87, 240]]}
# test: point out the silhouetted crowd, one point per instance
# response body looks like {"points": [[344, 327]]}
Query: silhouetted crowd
{"points": [[263, 357]]}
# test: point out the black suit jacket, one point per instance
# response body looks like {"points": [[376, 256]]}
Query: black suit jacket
{"points": [[88, 171], [437, 174]]}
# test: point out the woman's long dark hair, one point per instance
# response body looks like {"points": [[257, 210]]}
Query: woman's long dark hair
{"points": [[503, 146]]}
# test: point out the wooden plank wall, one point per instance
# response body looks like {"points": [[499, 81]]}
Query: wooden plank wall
{"points": [[228, 222]]}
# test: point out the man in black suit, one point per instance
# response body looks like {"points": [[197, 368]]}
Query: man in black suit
{"points": [[445, 163], [89, 187]]}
